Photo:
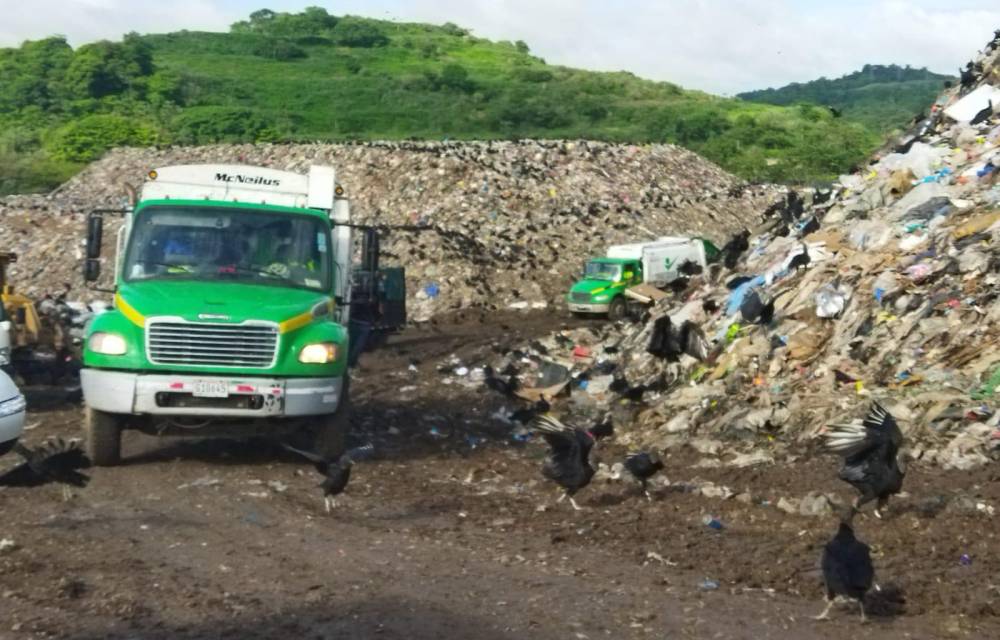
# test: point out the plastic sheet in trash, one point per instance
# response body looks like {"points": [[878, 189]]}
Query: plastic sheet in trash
{"points": [[831, 300], [869, 234], [740, 292]]}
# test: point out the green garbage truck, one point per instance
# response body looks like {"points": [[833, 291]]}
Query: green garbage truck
{"points": [[232, 304], [604, 280]]}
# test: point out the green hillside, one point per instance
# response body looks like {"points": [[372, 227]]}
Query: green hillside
{"points": [[882, 98], [313, 76]]}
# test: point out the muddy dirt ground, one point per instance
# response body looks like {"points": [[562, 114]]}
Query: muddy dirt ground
{"points": [[441, 536]]}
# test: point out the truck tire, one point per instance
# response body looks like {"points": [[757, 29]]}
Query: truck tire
{"points": [[617, 309], [332, 428], [103, 437]]}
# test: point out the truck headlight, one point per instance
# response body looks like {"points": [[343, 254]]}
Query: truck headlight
{"points": [[318, 353], [601, 297], [16, 404], [108, 344]]}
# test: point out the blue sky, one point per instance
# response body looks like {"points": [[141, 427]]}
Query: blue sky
{"points": [[721, 46]]}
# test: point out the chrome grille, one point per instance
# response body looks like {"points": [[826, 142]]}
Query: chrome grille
{"points": [[211, 345], [581, 296]]}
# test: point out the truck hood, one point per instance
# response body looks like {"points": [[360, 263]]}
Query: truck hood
{"points": [[214, 301], [592, 287]]}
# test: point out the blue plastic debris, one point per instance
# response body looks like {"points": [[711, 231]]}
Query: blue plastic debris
{"points": [[432, 290], [740, 292], [712, 523], [473, 441], [708, 585]]}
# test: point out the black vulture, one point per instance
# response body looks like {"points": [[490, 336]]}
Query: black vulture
{"points": [[568, 462], [643, 466], [55, 460], [337, 472], [872, 463], [847, 569]]}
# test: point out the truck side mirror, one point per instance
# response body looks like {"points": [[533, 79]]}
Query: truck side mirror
{"points": [[95, 228], [92, 269]]}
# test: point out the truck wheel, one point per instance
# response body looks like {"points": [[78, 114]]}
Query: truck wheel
{"points": [[617, 309], [104, 437], [332, 428]]}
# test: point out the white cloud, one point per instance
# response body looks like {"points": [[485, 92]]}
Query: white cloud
{"points": [[722, 46], [83, 21]]}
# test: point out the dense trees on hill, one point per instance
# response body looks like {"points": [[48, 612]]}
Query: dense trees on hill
{"points": [[881, 97], [307, 76]]}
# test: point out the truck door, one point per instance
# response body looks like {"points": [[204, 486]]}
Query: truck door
{"points": [[628, 273], [632, 273]]}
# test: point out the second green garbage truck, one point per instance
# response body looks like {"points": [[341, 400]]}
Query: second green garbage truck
{"points": [[601, 287]]}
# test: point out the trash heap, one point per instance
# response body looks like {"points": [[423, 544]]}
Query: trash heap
{"points": [[885, 287], [476, 224]]}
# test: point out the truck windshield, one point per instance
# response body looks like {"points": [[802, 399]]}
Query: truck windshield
{"points": [[211, 243], [603, 271]]}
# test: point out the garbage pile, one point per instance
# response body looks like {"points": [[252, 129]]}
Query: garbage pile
{"points": [[887, 286], [476, 224]]}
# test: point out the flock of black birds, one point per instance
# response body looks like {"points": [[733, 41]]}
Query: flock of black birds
{"points": [[872, 464], [871, 450], [969, 78]]}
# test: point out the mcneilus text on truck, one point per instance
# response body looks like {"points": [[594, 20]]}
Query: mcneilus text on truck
{"points": [[231, 303]]}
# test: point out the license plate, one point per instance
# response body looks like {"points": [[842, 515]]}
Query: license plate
{"points": [[206, 389]]}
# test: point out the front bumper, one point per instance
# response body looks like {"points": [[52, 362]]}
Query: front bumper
{"points": [[123, 392], [11, 427], [576, 307]]}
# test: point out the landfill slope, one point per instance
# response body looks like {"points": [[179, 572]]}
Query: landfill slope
{"points": [[487, 224], [885, 289]]}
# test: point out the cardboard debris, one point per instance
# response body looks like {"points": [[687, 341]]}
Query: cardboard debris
{"points": [[646, 293]]}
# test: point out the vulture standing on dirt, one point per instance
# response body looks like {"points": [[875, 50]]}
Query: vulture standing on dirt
{"points": [[872, 463], [568, 462], [847, 569], [337, 472], [643, 466], [56, 460]]}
